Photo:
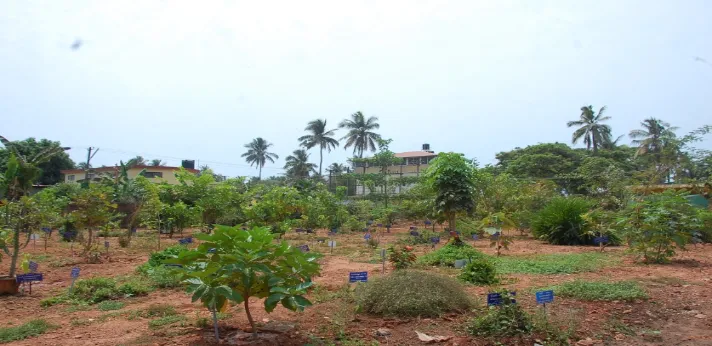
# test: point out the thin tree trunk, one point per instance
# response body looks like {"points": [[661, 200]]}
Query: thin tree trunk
{"points": [[260, 175], [249, 316], [321, 158], [15, 252]]}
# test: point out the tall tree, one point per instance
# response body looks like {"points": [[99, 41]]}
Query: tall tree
{"points": [[653, 137], [336, 169], [298, 165], [49, 169], [360, 135], [157, 163], [319, 136], [592, 129], [452, 177], [258, 154]]}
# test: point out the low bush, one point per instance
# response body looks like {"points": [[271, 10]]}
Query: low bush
{"points": [[500, 321], [600, 290], [99, 289], [29, 329], [401, 257], [163, 277], [412, 293], [554, 263], [561, 222], [448, 254], [479, 272]]}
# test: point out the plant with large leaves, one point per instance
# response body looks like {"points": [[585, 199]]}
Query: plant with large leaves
{"points": [[257, 153], [361, 135], [319, 136], [232, 264], [452, 177]]}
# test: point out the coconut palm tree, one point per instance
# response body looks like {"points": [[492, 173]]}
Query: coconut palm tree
{"points": [[592, 130], [319, 136], [336, 169], [361, 135], [157, 163], [653, 137], [136, 161], [258, 155], [298, 165]]}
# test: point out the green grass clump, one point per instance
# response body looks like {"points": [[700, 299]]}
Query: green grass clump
{"points": [[479, 272], [561, 222], [553, 264], [164, 321], [163, 277], [448, 254], [600, 290], [408, 293], [109, 305], [99, 289], [29, 329], [154, 310]]}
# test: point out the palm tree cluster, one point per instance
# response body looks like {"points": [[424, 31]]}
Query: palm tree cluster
{"points": [[360, 136]]}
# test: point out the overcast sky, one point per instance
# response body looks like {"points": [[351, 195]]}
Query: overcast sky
{"points": [[199, 79]]}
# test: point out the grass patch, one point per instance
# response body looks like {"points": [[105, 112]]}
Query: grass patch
{"points": [[554, 264], [448, 254], [164, 321], [29, 329], [412, 293], [154, 310], [110, 305], [99, 289], [600, 290]]}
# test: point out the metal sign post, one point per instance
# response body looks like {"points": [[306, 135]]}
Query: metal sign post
{"points": [[74, 274]]}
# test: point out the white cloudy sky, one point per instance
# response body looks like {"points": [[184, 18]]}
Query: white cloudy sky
{"points": [[199, 79]]}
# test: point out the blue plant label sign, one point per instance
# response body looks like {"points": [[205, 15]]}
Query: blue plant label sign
{"points": [[383, 253], [494, 299], [304, 248], [379, 225], [299, 230], [475, 237], [414, 233], [133, 230], [332, 243], [33, 266], [600, 240], [187, 240], [544, 297], [358, 277], [30, 277], [75, 272], [369, 222], [46, 229], [367, 236], [435, 240], [495, 236], [427, 222]]}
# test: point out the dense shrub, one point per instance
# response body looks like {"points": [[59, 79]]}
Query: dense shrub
{"points": [[401, 257], [99, 289], [412, 293], [561, 222], [479, 272], [505, 320], [448, 254]]}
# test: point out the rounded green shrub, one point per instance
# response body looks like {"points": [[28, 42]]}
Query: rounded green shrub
{"points": [[448, 254], [408, 293], [479, 272], [561, 222]]}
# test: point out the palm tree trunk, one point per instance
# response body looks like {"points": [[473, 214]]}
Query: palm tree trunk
{"points": [[321, 158], [259, 177]]}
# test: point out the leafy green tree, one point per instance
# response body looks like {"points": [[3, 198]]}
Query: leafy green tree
{"points": [[319, 136], [19, 215], [157, 163], [273, 207], [92, 209], [257, 153], [360, 135], [30, 149], [298, 165], [452, 177], [551, 161], [234, 265], [657, 224], [592, 129], [336, 169]]}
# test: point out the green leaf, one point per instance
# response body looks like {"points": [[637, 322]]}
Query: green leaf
{"points": [[272, 301]]}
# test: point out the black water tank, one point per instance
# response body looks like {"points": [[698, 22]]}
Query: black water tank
{"points": [[426, 147], [189, 164]]}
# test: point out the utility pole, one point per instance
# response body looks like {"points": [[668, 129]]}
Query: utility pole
{"points": [[90, 155]]}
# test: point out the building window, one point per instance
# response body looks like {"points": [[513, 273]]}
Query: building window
{"points": [[70, 177], [153, 174], [424, 160], [413, 160]]}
